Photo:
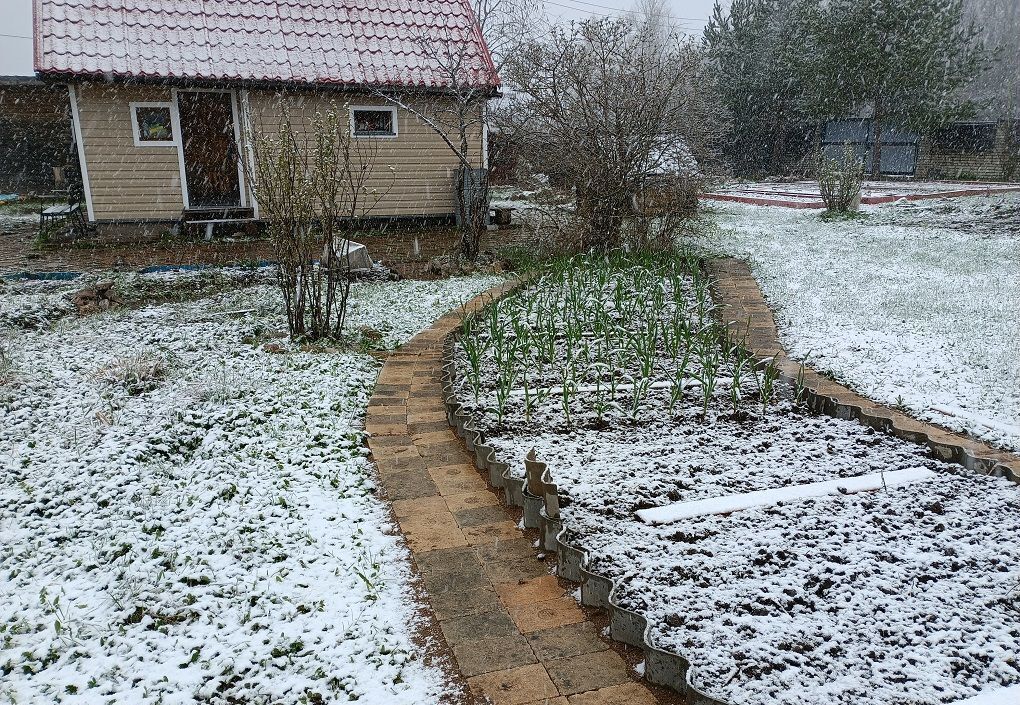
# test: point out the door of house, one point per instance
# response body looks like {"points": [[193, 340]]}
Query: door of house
{"points": [[210, 152]]}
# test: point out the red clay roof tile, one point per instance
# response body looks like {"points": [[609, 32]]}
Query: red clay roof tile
{"points": [[353, 42]]}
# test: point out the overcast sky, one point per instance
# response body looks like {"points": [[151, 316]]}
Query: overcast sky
{"points": [[16, 29]]}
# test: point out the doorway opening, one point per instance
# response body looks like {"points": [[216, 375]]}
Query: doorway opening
{"points": [[210, 150]]}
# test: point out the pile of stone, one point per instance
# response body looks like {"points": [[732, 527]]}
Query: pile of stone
{"points": [[100, 297]]}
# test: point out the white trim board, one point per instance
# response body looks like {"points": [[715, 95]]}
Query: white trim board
{"points": [[246, 145], [763, 498], [72, 94], [175, 117]]}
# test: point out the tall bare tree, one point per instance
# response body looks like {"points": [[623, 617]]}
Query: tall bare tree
{"points": [[457, 112]]}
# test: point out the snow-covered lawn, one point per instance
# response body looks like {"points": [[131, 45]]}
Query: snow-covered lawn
{"points": [[905, 592], [914, 304], [187, 517]]}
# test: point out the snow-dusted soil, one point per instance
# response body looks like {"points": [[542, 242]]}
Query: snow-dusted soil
{"points": [[901, 595], [186, 517], [914, 304]]}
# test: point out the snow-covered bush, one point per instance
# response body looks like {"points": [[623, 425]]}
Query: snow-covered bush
{"points": [[6, 361], [839, 180], [311, 182], [136, 373]]}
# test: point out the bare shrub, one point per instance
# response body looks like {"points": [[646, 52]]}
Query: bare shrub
{"points": [[615, 108], [6, 362], [136, 373], [313, 184], [839, 180]]}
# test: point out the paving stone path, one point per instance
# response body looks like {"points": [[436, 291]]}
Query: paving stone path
{"points": [[516, 633]]}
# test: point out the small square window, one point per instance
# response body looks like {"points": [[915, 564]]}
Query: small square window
{"points": [[153, 125], [374, 122]]}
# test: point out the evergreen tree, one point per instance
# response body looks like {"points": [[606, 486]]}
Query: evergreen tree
{"points": [[906, 60], [759, 50]]}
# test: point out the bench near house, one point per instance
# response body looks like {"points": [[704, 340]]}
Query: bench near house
{"points": [[162, 94]]}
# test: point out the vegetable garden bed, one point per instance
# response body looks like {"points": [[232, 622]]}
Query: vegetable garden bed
{"points": [[613, 370]]}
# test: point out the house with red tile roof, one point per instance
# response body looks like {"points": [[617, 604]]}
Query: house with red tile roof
{"points": [[164, 95]]}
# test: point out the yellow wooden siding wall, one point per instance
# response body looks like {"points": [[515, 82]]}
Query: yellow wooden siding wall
{"points": [[412, 173], [127, 182]]}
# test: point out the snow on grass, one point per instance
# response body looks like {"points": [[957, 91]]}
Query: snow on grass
{"points": [[914, 304], [188, 517]]}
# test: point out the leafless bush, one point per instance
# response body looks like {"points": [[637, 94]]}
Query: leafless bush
{"points": [[136, 373], [312, 184], [615, 107], [840, 180], [6, 362]]}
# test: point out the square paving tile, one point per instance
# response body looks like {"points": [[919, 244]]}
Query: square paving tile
{"points": [[471, 500], [461, 603], [456, 581], [447, 453], [512, 570], [599, 669], [422, 417], [417, 507], [493, 624], [487, 655], [487, 533], [448, 560], [501, 550], [625, 694], [393, 440], [382, 429], [477, 516], [566, 641], [515, 686], [388, 465], [457, 478], [409, 484], [427, 532], [540, 589], [391, 452], [547, 614]]}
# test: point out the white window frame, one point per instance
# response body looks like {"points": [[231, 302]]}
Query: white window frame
{"points": [[174, 127], [376, 108]]}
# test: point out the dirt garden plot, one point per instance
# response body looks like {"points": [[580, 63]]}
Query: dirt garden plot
{"points": [[892, 582]]}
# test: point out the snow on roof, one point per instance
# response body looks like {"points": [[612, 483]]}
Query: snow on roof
{"points": [[373, 42]]}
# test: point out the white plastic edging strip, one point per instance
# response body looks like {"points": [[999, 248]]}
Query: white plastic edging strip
{"points": [[763, 498], [1002, 696]]}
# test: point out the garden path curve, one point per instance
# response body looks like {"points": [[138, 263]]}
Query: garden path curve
{"points": [[746, 313], [516, 633]]}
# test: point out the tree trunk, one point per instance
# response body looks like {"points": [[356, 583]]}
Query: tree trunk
{"points": [[876, 146]]}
